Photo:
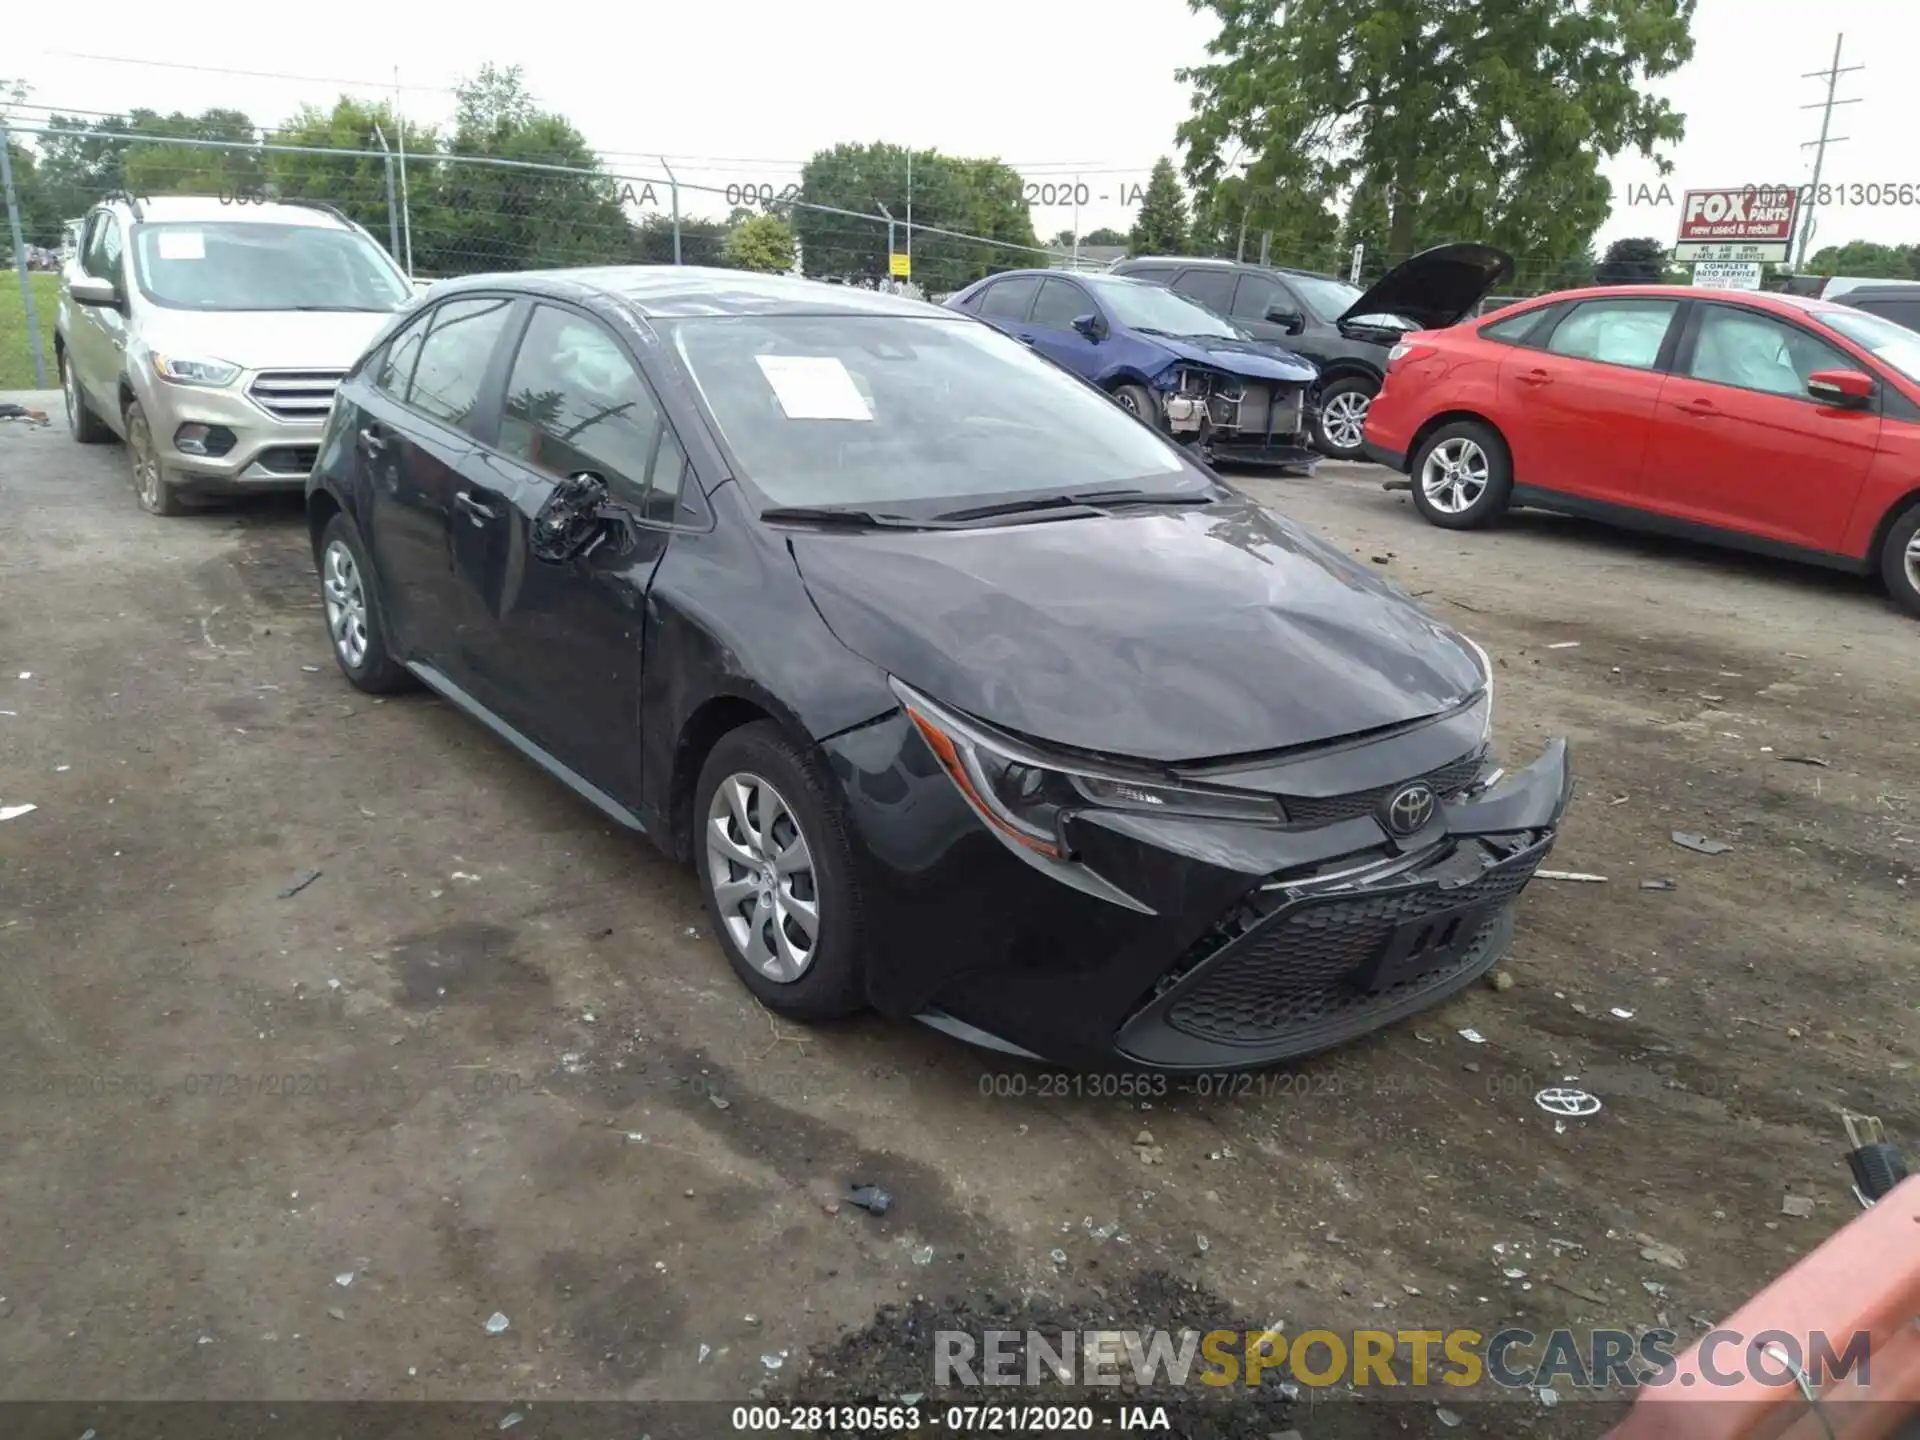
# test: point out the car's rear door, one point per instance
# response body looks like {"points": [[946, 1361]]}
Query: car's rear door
{"points": [[425, 401], [1208, 286], [1008, 301], [555, 647], [1741, 445], [1577, 410]]}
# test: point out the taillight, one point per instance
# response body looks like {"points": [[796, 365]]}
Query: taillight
{"points": [[1406, 351]]}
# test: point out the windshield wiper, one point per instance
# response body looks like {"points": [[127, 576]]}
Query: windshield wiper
{"points": [[849, 519], [1080, 502]]}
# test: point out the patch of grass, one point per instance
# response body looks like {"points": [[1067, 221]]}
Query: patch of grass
{"points": [[16, 351]]}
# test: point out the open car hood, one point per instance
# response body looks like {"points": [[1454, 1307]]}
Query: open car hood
{"points": [[1247, 358], [1435, 288], [1156, 635]]}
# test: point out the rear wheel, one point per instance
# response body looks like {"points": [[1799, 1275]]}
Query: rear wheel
{"points": [[150, 485], [1340, 426], [1900, 561], [85, 426], [1462, 476]]}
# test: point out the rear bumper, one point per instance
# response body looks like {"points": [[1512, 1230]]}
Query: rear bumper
{"points": [[1381, 455]]}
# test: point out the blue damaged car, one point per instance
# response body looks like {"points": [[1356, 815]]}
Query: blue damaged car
{"points": [[1177, 365]]}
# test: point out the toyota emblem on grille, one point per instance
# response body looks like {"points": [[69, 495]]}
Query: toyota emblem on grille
{"points": [[1410, 809]]}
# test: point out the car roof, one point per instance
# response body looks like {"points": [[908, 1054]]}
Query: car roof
{"points": [[1210, 262], [172, 209], [679, 292], [1759, 299]]}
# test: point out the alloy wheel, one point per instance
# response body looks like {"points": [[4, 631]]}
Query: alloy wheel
{"points": [[761, 872], [346, 602], [146, 468], [1454, 476], [70, 383], [1344, 419], [1913, 560], [1127, 403]]}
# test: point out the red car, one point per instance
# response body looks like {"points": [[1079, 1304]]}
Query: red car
{"points": [[1770, 422]]}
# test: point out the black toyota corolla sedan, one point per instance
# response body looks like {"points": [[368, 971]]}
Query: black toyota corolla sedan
{"points": [[970, 696]]}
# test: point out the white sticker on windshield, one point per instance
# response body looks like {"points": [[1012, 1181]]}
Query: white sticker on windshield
{"points": [[814, 387], [182, 245]]}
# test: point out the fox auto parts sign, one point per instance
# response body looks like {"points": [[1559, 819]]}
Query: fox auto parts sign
{"points": [[1753, 223]]}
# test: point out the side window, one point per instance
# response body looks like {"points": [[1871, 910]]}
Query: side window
{"points": [[395, 370], [576, 403], [1152, 274], [1257, 295], [106, 248], [1060, 301], [1619, 332], [453, 358], [1212, 288], [1009, 299], [1758, 352], [1513, 329], [91, 235]]}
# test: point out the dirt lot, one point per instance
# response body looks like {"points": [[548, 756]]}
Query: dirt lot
{"points": [[304, 989]]}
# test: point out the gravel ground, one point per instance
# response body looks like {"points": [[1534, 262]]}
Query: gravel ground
{"points": [[332, 1028]]}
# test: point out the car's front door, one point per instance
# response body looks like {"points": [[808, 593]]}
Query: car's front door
{"points": [[416, 431], [1577, 411], [1741, 445], [97, 334], [554, 645], [1258, 296], [1049, 329]]}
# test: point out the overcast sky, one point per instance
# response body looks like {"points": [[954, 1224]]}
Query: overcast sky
{"points": [[743, 94]]}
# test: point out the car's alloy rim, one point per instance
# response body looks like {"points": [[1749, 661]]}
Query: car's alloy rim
{"points": [[1454, 476], [146, 470], [346, 601], [72, 384], [1126, 403], [1913, 560], [1344, 418], [762, 876]]}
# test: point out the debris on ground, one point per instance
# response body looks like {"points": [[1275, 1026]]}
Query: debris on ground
{"points": [[1700, 843], [1620, 1012], [294, 890], [497, 1323], [1574, 1104], [1500, 980], [513, 1419], [343, 1279], [1661, 1253], [1564, 645], [1576, 875], [1382, 559], [10, 411], [1798, 1206], [1657, 885], [1806, 760], [336, 1312], [14, 812], [1472, 1036], [870, 1198]]}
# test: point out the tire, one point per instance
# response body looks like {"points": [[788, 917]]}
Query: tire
{"points": [[1900, 560], [757, 772], [1340, 421], [350, 603], [1472, 476], [150, 485], [85, 426], [1138, 402]]}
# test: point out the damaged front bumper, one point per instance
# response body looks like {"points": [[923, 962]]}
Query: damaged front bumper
{"points": [[1231, 418]]}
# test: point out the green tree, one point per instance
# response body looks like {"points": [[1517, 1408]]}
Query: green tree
{"points": [[357, 183], [1867, 260], [1636, 260], [971, 197], [234, 165], [1105, 235], [1161, 226], [702, 242], [1485, 121], [482, 216], [761, 242]]}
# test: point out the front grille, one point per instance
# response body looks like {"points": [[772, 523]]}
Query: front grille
{"points": [[296, 394], [1302, 971], [1314, 810], [288, 459]]}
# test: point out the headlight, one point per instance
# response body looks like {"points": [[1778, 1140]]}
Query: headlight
{"points": [[1023, 793], [182, 370], [1486, 705]]}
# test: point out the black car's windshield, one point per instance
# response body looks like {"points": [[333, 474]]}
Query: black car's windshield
{"points": [[888, 410], [1139, 305], [1890, 344], [263, 266], [1328, 299]]}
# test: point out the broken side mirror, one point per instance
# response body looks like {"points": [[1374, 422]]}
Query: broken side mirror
{"points": [[574, 519], [1089, 326]]}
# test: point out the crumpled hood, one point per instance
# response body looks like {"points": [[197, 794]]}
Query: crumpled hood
{"points": [[1158, 635], [265, 339], [1248, 358]]}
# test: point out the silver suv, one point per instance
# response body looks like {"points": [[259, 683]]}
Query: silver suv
{"points": [[209, 335]]}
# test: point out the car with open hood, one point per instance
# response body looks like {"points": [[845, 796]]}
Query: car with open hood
{"points": [[968, 697], [1176, 365], [1343, 329]]}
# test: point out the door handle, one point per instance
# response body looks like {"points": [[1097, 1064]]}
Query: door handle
{"points": [[371, 441], [1026, 339], [1536, 377], [1705, 409], [473, 507]]}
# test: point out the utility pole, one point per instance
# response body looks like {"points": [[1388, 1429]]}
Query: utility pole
{"points": [[1832, 77], [406, 205]]}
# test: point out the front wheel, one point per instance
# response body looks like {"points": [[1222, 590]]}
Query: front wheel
{"points": [[157, 496], [1138, 402], [1340, 427], [776, 864], [1462, 476], [1900, 561]]}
